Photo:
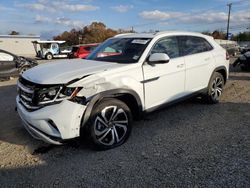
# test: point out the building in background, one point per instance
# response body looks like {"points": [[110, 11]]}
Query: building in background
{"points": [[19, 44]]}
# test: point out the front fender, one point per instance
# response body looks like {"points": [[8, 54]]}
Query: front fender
{"points": [[108, 94]]}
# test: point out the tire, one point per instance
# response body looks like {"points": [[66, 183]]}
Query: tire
{"points": [[49, 56], [23, 69], [215, 88], [103, 128]]}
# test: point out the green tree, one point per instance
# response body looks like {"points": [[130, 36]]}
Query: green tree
{"points": [[96, 32], [218, 35]]}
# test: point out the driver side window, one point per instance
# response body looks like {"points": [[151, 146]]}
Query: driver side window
{"points": [[168, 45]]}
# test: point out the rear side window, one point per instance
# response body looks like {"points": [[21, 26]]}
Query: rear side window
{"points": [[192, 45]]}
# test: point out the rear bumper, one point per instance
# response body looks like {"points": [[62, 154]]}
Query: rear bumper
{"points": [[54, 123]]}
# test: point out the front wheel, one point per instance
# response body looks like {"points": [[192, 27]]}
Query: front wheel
{"points": [[110, 124], [215, 88], [49, 56]]}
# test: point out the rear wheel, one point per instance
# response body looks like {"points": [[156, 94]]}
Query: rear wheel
{"points": [[110, 124], [215, 88]]}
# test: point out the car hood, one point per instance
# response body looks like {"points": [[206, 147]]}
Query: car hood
{"points": [[62, 72]]}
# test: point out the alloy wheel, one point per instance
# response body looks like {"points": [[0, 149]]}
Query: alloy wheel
{"points": [[110, 125], [217, 86]]}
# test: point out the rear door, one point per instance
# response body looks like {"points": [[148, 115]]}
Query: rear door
{"points": [[7, 64], [198, 61]]}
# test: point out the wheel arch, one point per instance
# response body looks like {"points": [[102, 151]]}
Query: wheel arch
{"points": [[128, 96], [222, 70]]}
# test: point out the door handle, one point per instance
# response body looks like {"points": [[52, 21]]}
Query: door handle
{"points": [[207, 59], [180, 66]]}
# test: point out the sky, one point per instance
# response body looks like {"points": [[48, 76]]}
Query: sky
{"points": [[48, 18]]}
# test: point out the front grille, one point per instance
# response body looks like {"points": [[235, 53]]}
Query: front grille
{"points": [[26, 91]]}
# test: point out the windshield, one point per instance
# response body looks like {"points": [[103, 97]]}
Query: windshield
{"points": [[45, 45], [74, 49], [120, 50]]}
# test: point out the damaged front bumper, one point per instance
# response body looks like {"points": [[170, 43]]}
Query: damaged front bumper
{"points": [[53, 123]]}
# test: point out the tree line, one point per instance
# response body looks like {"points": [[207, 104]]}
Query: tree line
{"points": [[96, 32], [241, 36]]}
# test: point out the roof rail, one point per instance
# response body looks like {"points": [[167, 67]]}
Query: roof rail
{"points": [[123, 34]]}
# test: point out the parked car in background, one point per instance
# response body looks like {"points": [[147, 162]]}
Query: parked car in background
{"points": [[82, 51], [244, 48], [104, 93], [231, 49], [243, 62], [50, 49], [13, 65]]}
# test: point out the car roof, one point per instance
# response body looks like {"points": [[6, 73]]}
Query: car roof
{"points": [[7, 52], [152, 35], [48, 41], [85, 45]]}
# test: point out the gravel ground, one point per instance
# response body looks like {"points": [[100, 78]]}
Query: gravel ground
{"points": [[190, 144]]}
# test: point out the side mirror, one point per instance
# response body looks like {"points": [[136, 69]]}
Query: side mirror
{"points": [[159, 58]]}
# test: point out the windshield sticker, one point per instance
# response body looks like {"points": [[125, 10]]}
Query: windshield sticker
{"points": [[139, 41], [135, 57]]}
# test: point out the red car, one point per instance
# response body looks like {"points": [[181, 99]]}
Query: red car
{"points": [[82, 51]]}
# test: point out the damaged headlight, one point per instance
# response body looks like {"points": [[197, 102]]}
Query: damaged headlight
{"points": [[55, 94]]}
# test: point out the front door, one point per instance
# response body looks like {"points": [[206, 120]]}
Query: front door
{"points": [[164, 82]]}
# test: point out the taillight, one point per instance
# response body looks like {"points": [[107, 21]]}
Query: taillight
{"points": [[227, 56]]}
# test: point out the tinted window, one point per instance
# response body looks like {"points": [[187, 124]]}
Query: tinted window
{"points": [[168, 45], [46, 45], [87, 48], [193, 45], [92, 48], [74, 49]]}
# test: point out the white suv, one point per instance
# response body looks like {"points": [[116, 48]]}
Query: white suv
{"points": [[126, 76]]}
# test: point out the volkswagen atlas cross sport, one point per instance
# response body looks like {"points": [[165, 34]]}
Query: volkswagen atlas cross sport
{"points": [[123, 78]]}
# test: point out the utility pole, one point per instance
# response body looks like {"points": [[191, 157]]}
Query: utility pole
{"points": [[228, 19]]}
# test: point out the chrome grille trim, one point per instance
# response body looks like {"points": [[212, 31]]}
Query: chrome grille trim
{"points": [[26, 105], [24, 88], [26, 96]]}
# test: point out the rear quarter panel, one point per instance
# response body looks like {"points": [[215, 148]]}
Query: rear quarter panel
{"points": [[219, 55]]}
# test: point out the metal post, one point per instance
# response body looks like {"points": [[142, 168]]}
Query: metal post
{"points": [[228, 19]]}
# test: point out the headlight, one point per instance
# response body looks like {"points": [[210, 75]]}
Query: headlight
{"points": [[69, 91], [56, 94], [47, 95]]}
